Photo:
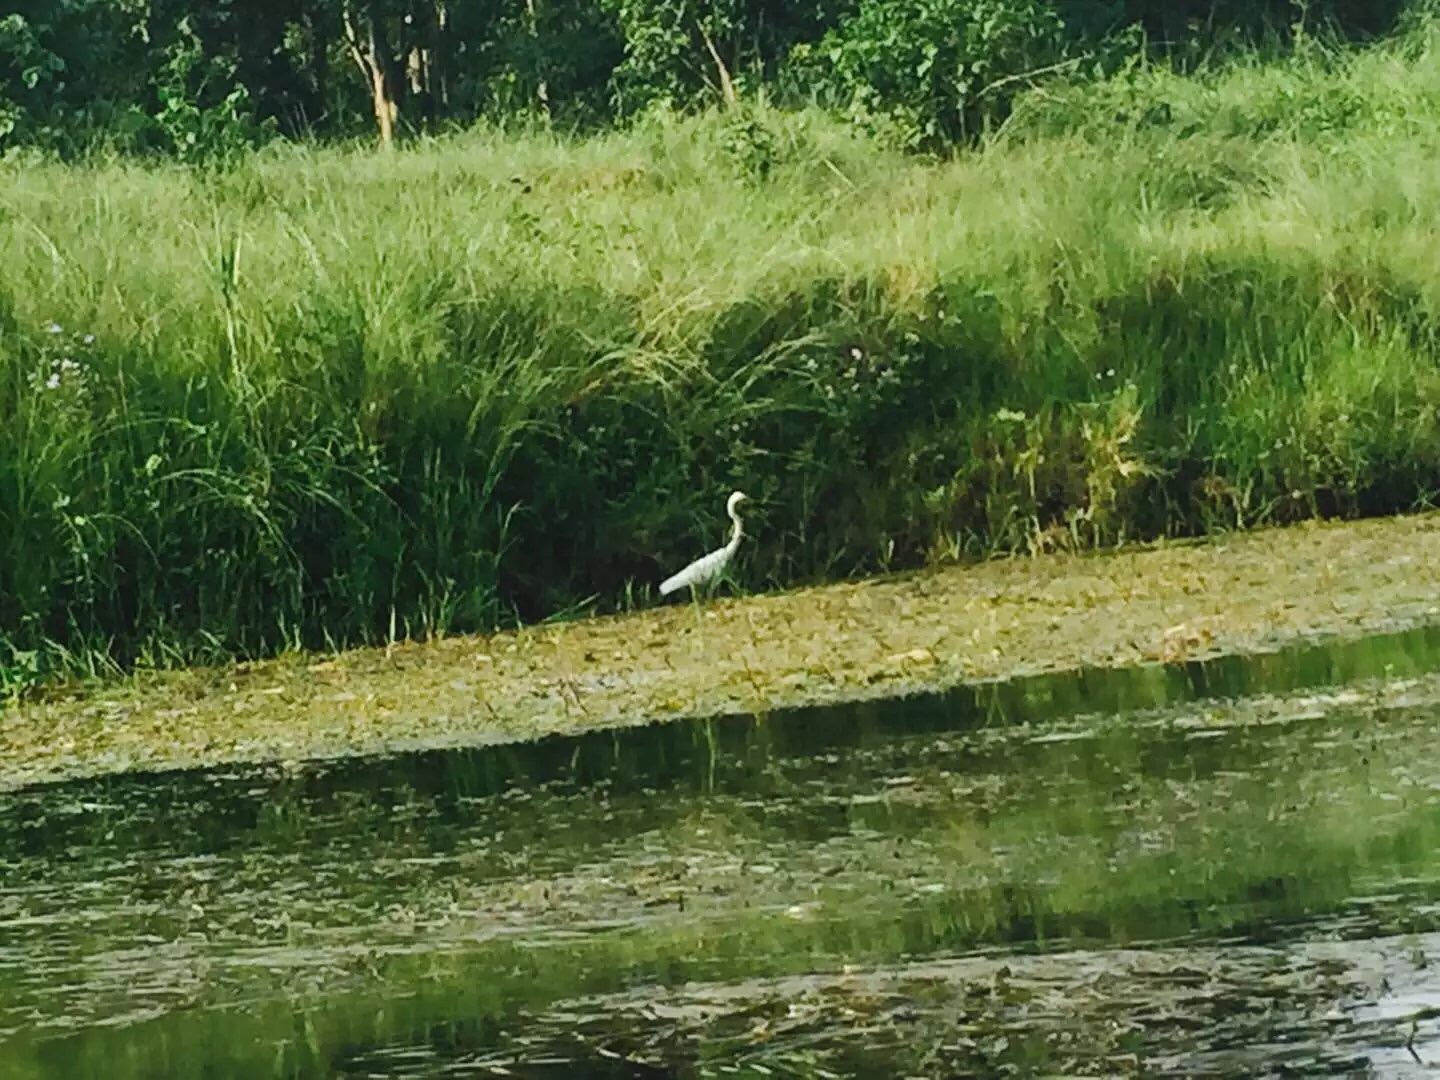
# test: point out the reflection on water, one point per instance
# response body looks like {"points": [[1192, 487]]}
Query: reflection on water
{"points": [[1231, 868]]}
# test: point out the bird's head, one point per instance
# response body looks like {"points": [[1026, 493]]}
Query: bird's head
{"points": [[736, 498]]}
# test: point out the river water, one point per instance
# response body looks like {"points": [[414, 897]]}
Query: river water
{"points": [[1227, 869]]}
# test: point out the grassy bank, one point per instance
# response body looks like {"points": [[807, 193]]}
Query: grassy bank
{"points": [[331, 397]]}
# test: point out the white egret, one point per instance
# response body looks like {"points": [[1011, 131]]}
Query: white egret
{"points": [[707, 568]]}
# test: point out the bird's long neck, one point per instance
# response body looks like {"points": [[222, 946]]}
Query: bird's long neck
{"points": [[735, 532]]}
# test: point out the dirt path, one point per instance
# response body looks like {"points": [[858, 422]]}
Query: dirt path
{"points": [[928, 631]]}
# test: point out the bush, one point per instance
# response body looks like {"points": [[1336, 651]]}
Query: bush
{"points": [[170, 75], [928, 72]]}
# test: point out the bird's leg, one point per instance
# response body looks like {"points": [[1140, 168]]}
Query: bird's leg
{"points": [[695, 605]]}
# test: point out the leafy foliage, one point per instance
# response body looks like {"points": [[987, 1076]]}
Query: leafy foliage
{"points": [[929, 69], [204, 80]]}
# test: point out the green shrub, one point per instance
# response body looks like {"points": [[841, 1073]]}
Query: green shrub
{"points": [[165, 75], [927, 71]]}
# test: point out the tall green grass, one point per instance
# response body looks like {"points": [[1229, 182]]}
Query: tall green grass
{"points": [[329, 396]]}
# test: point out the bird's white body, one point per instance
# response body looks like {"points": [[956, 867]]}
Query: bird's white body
{"points": [[707, 568]]}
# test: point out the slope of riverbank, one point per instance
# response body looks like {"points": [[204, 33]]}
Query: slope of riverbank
{"points": [[1001, 619], [324, 398]]}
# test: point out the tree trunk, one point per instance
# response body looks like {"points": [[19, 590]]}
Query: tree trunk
{"points": [[440, 59], [386, 111], [726, 84], [542, 88], [418, 48], [371, 53], [320, 73]]}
